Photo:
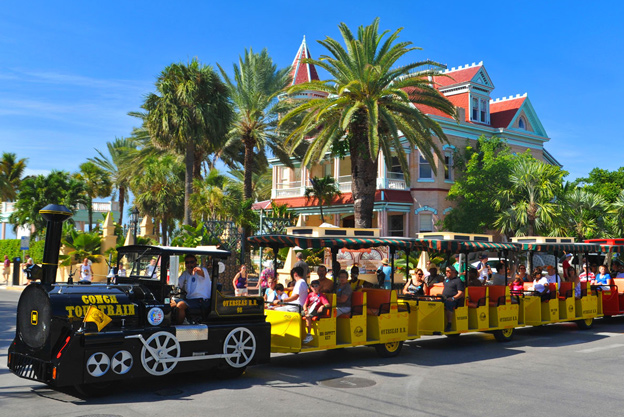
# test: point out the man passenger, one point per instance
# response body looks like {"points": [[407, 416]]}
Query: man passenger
{"points": [[452, 294], [195, 281], [299, 293], [343, 294], [326, 285]]}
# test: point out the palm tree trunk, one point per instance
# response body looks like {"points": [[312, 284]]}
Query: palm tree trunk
{"points": [[122, 200], [363, 182], [249, 160], [189, 161], [321, 208], [90, 211]]}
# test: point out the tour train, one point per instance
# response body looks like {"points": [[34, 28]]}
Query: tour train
{"points": [[88, 335]]}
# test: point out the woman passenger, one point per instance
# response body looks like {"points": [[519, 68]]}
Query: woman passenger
{"points": [[522, 273], [603, 278], [473, 278], [517, 286], [416, 284]]}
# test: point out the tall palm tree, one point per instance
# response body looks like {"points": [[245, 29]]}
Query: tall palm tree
{"points": [[529, 204], [583, 212], [97, 184], [190, 114], [115, 165], [261, 182], [253, 90], [11, 172], [324, 189], [368, 103], [617, 210]]}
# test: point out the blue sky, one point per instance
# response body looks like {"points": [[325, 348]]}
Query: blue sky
{"points": [[70, 71]]}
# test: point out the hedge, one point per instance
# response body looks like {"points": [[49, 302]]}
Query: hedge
{"points": [[11, 247]]}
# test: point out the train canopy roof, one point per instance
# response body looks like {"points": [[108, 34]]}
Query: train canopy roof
{"points": [[173, 250], [463, 245], [306, 242], [560, 247]]}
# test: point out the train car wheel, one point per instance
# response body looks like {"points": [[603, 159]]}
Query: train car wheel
{"points": [[160, 345], [241, 344], [389, 350], [504, 335], [585, 324]]}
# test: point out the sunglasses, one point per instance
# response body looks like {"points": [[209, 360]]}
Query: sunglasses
{"points": [[190, 262], [420, 275]]}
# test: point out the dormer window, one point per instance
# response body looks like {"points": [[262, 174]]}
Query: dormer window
{"points": [[484, 111], [480, 111], [475, 108]]}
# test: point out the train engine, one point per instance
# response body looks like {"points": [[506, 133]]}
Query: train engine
{"points": [[87, 334]]}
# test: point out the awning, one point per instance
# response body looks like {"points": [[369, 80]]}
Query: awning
{"points": [[285, 241], [462, 245], [561, 247]]}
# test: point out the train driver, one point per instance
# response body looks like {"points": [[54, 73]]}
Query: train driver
{"points": [[195, 281]]}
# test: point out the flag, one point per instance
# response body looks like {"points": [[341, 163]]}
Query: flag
{"points": [[96, 316]]}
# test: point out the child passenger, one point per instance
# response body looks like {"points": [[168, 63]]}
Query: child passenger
{"points": [[314, 306], [278, 297]]}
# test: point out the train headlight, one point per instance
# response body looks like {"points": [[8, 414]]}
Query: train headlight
{"points": [[155, 316]]}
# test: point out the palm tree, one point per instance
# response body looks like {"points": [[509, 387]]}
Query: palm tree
{"points": [[324, 189], [97, 184], [529, 204], [368, 103], [617, 210], [261, 183], [190, 114], [254, 89], [158, 190], [583, 212], [115, 166], [11, 172], [209, 199]]}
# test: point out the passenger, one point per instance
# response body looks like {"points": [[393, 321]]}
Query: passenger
{"points": [[586, 276], [278, 296], [473, 278], [620, 271], [195, 282], [416, 284], [567, 258], [540, 285], [152, 269], [343, 294], [498, 278], [517, 286], [299, 292], [483, 268], [552, 276], [314, 306], [433, 276], [387, 270], [326, 285], [270, 294], [452, 294], [355, 271], [522, 274], [603, 278], [240, 282], [356, 284], [578, 285], [122, 271]]}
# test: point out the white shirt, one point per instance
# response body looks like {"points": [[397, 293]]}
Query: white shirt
{"points": [[195, 285], [301, 288], [553, 279], [620, 275], [483, 273], [541, 285], [85, 272], [151, 271]]}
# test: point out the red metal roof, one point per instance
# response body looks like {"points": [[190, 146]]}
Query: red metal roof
{"points": [[300, 72], [457, 77], [503, 112]]}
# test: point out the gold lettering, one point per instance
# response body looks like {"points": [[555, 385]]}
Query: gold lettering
{"points": [[78, 311], [70, 311], [85, 299], [106, 299], [130, 309], [91, 299], [119, 310], [113, 299], [98, 298], [111, 310]]}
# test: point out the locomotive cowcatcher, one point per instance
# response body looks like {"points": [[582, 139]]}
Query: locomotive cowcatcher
{"points": [[86, 334]]}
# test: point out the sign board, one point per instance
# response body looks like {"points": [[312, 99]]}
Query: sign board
{"points": [[25, 243]]}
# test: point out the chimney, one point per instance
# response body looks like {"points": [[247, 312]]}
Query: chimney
{"points": [[55, 215], [461, 113]]}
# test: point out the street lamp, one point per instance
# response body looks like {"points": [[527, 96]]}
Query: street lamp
{"points": [[134, 221]]}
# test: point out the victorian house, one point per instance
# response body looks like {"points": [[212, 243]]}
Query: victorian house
{"points": [[402, 208]]}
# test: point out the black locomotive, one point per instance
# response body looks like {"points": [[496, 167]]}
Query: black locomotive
{"points": [[79, 334]]}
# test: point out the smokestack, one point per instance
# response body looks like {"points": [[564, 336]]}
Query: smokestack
{"points": [[55, 215]]}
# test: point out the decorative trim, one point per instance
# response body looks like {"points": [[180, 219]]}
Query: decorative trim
{"points": [[426, 179], [447, 210], [426, 208], [445, 147]]}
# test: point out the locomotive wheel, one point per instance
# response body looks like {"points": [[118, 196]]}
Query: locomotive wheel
{"points": [[585, 324], [242, 343], [389, 350], [160, 345], [504, 335]]}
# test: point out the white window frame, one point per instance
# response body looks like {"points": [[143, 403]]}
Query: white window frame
{"points": [[449, 174], [474, 109], [483, 111], [422, 161]]}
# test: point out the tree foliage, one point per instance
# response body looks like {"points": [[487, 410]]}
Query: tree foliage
{"points": [[482, 172], [324, 189], [97, 183], [11, 172], [58, 187]]}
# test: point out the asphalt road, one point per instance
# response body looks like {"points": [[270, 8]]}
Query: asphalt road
{"points": [[555, 370]]}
